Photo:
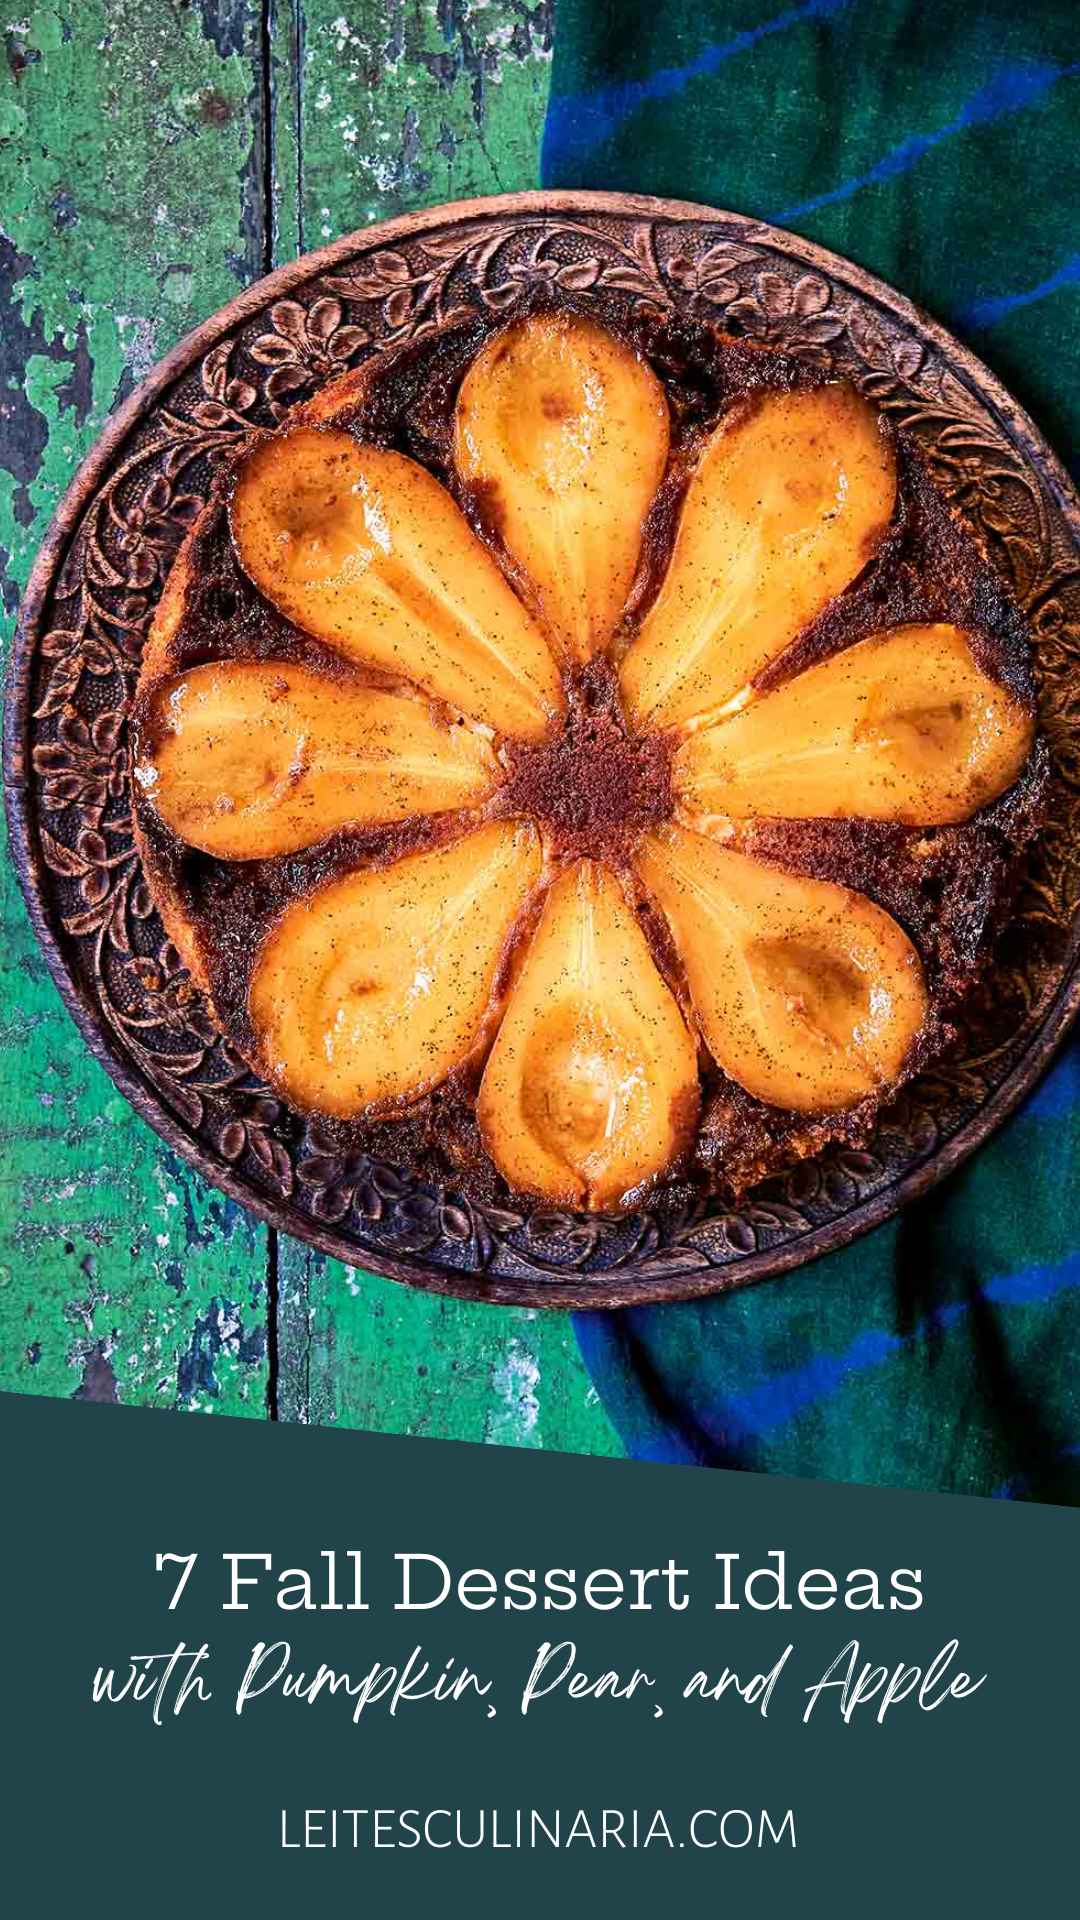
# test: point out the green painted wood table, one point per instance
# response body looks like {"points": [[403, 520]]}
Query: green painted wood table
{"points": [[155, 155]]}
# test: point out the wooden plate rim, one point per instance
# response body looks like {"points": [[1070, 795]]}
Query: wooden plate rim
{"points": [[622, 1288]]}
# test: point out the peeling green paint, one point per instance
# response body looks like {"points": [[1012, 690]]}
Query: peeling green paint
{"points": [[124, 221], [402, 105]]}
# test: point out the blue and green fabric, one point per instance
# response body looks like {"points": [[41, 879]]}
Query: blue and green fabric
{"points": [[939, 146]]}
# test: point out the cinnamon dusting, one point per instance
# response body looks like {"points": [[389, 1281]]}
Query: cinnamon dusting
{"points": [[594, 787]]}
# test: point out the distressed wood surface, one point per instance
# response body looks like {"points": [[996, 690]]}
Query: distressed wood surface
{"points": [[154, 156]]}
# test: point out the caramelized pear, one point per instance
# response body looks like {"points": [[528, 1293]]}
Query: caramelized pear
{"points": [[903, 726], [785, 507], [563, 430], [246, 760], [592, 1084], [365, 550], [375, 987], [807, 994]]}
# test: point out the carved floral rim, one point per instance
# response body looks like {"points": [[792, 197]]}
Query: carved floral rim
{"points": [[555, 1286]]}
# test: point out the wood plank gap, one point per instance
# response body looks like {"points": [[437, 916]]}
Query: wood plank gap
{"points": [[268, 158], [273, 1350], [300, 30], [265, 131]]}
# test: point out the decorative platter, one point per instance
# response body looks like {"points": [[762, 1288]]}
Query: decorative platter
{"points": [[92, 595]]}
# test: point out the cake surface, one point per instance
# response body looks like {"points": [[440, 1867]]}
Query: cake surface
{"points": [[566, 759]]}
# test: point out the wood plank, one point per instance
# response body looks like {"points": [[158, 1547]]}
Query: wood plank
{"points": [[401, 103], [362, 1352], [396, 106], [131, 206]]}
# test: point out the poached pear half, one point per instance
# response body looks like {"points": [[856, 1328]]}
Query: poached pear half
{"points": [[364, 549], [807, 994], [247, 760], [591, 1088], [373, 988], [788, 501], [902, 726], [562, 430]]}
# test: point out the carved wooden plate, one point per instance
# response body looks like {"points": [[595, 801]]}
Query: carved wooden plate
{"points": [[92, 594]]}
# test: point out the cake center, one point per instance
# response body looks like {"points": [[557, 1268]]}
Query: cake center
{"points": [[594, 786]]}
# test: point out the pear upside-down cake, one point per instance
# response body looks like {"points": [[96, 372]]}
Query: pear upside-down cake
{"points": [[569, 758]]}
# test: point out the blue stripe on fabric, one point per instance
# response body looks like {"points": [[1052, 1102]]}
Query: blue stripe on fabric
{"points": [[1033, 1284], [1058, 1095], [749, 1415], [1015, 86], [577, 122], [746, 1416], [667, 1450], [986, 313]]}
